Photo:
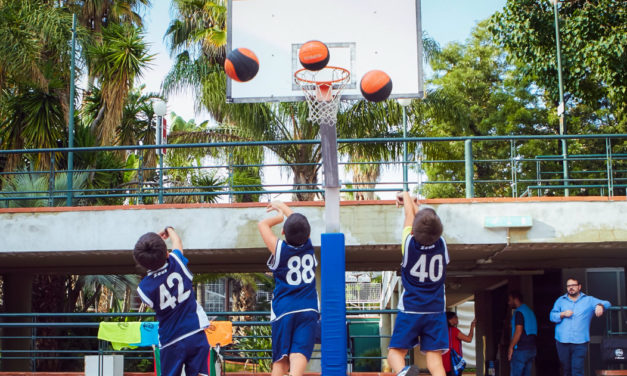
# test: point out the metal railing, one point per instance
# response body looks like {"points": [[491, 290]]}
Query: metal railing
{"points": [[64, 339], [616, 321], [482, 166]]}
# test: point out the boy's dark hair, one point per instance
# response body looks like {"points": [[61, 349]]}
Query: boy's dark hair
{"points": [[150, 251], [515, 294], [427, 227], [449, 316], [296, 229]]}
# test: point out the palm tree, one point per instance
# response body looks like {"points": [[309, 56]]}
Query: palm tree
{"points": [[95, 15], [136, 126], [199, 67], [36, 185], [117, 61], [240, 178], [73, 293], [33, 70]]}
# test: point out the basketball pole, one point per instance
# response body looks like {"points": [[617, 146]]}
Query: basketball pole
{"points": [[328, 143], [322, 91], [332, 263]]}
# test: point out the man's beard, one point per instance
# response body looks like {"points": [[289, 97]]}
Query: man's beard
{"points": [[573, 295]]}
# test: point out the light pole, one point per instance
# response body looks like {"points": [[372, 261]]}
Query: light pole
{"points": [[404, 102], [70, 126], [561, 108], [140, 175], [160, 108]]}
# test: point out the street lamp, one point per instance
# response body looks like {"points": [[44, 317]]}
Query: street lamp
{"points": [[70, 125], [404, 102], [561, 108], [160, 108]]}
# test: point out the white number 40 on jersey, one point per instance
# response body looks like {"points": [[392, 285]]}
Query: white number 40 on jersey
{"points": [[435, 272]]}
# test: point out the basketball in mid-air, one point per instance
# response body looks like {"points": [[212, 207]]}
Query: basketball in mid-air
{"points": [[314, 55], [376, 86], [241, 64]]}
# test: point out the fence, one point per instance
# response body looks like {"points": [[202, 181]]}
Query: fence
{"points": [[616, 321], [481, 166], [61, 340]]}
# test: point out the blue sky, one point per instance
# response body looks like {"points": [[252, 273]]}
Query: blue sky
{"points": [[444, 20]]}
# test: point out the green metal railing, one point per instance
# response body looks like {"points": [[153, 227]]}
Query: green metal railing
{"points": [[485, 169], [616, 321], [72, 336]]}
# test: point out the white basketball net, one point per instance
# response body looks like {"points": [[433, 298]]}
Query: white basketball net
{"points": [[322, 90]]}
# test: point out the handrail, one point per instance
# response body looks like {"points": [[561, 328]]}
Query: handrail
{"points": [[621, 321], [88, 344], [599, 173]]}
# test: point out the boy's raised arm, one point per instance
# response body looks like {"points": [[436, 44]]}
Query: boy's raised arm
{"points": [[410, 206], [265, 225]]}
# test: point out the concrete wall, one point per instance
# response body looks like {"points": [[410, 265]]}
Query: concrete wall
{"points": [[234, 226]]}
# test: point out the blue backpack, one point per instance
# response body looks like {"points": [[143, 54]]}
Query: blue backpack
{"points": [[457, 362]]}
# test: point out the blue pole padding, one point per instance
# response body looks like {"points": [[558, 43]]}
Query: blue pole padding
{"points": [[333, 304]]}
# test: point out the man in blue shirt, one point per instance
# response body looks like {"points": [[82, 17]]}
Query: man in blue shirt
{"points": [[522, 346], [572, 312]]}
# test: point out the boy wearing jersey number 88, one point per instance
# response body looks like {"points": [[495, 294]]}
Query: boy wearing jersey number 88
{"points": [[294, 312], [422, 317], [167, 289]]}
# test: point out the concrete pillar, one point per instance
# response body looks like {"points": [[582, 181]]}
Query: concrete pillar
{"points": [[490, 305], [17, 299], [385, 329], [526, 289]]}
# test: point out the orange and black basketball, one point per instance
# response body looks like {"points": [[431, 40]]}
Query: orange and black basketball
{"points": [[314, 55], [376, 86], [241, 64]]}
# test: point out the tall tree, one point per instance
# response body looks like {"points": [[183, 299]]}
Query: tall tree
{"points": [[34, 66], [593, 36], [117, 61], [476, 92]]}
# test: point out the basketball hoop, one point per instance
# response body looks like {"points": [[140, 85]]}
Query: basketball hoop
{"points": [[323, 90]]}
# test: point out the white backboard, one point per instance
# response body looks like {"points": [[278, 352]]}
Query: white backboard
{"points": [[362, 35]]}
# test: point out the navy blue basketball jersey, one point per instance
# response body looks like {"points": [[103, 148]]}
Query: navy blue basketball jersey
{"points": [[423, 272], [168, 290], [294, 270]]}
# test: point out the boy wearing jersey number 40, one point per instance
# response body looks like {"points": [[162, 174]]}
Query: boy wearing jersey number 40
{"points": [[295, 299], [422, 317], [168, 290]]}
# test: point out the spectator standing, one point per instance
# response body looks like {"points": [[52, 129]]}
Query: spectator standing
{"points": [[572, 312], [522, 346]]}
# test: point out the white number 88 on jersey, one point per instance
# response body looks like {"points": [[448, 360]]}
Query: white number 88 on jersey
{"points": [[301, 269]]}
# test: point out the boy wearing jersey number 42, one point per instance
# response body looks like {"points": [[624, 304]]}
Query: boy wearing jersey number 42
{"points": [[421, 318], [167, 289], [294, 313]]}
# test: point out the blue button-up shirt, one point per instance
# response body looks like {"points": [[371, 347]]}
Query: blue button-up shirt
{"points": [[575, 329]]}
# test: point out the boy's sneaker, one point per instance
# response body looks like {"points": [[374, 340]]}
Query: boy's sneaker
{"points": [[409, 371]]}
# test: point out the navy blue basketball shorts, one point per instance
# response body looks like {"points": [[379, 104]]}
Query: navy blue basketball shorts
{"points": [[294, 333], [428, 330], [192, 352]]}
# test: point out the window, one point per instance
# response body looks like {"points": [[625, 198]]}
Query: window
{"points": [[214, 296]]}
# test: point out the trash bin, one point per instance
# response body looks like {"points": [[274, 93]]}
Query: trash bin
{"points": [[105, 365]]}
